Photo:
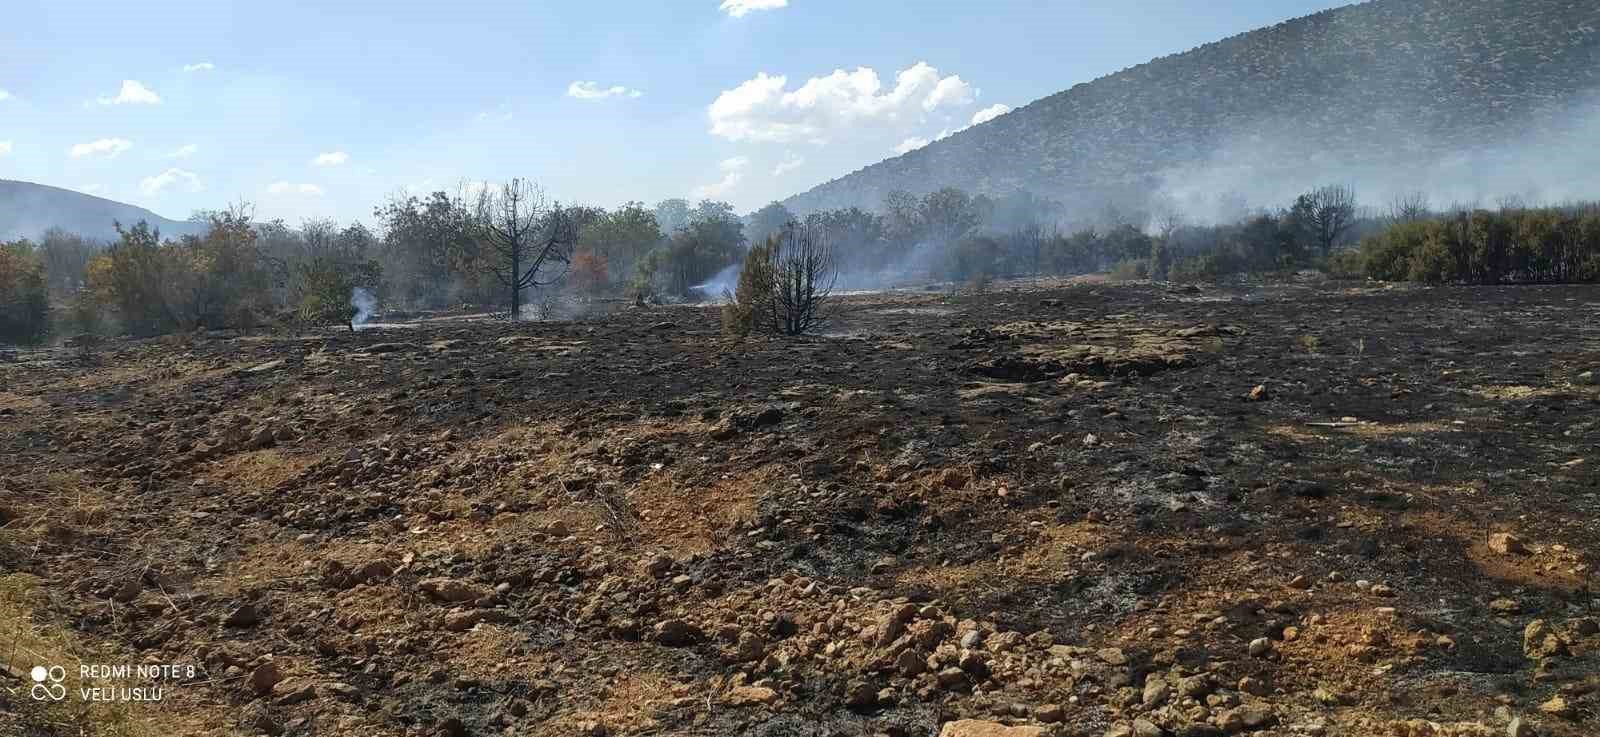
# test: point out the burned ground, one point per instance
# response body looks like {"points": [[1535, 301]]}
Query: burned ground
{"points": [[1282, 509]]}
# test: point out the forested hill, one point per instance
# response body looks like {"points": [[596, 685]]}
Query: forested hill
{"points": [[28, 209], [1386, 81]]}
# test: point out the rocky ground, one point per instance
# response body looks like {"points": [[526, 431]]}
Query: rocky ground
{"points": [[1288, 509]]}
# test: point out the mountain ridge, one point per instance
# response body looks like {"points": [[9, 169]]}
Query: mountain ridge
{"points": [[1370, 83], [28, 209]]}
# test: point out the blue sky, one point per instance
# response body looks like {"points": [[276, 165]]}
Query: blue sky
{"points": [[313, 108]]}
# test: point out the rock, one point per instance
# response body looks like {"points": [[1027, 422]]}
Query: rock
{"points": [[1300, 582], [1558, 707], [265, 677], [461, 620], [1195, 687], [593, 729], [860, 695], [297, 694], [657, 566], [1112, 656], [893, 624], [677, 633], [1587, 378], [1585, 627], [1505, 543], [453, 727], [1505, 606], [1260, 647], [1156, 692], [954, 478], [1259, 393], [453, 590], [1246, 719], [1383, 591], [909, 663], [982, 728], [1519, 728], [245, 615], [750, 648], [1049, 713], [1146, 728], [1252, 686], [751, 696], [953, 678]]}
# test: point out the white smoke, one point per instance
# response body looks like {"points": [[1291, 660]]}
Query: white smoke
{"points": [[364, 303], [718, 287]]}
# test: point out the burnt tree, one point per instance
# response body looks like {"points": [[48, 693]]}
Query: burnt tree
{"points": [[531, 238]]}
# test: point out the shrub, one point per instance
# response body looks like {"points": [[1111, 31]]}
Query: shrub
{"points": [[1195, 269], [1130, 270], [24, 295], [752, 297]]}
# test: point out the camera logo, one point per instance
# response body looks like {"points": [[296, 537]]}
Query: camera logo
{"points": [[47, 683]]}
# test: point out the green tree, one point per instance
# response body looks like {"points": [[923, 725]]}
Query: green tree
{"points": [[24, 294]]}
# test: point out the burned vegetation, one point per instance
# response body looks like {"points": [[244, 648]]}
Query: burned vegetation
{"points": [[1291, 508]]}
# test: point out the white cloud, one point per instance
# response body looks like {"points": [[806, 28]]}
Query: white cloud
{"points": [[990, 113], [5, 148], [310, 190], [764, 109], [732, 174], [133, 93], [789, 163], [184, 151], [110, 147], [4, 95], [204, 66], [170, 178], [593, 91], [911, 144], [741, 8], [331, 158]]}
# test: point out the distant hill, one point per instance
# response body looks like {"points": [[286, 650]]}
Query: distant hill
{"points": [[27, 210], [1426, 93]]}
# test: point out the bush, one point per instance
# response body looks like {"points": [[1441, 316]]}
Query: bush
{"points": [[1347, 264], [1195, 269], [752, 298], [1131, 270], [24, 295]]}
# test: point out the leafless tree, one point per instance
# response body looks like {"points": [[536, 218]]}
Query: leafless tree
{"points": [[1326, 215], [1409, 207], [803, 277], [532, 238]]}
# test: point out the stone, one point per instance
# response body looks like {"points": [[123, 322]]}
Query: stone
{"points": [[1246, 719], [453, 590], [1195, 687], [1505, 606], [1519, 728], [1112, 656], [296, 694], [1146, 728], [657, 566], [751, 696], [1252, 686], [265, 677], [1049, 713], [861, 695], [1558, 707], [952, 678], [982, 728], [1156, 693], [1300, 582], [246, 615], [1585, 627], [750, 647], [1505, 543], [461, 620], [677, 633], [1259, 393], [893, 624], [909, 663], [1260, 647]]}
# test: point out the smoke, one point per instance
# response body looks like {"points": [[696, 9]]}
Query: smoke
{"points": [[722, 284], [364, 303]]}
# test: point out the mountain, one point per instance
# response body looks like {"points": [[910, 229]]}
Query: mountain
{"points": [[1457, 96], [27, 210]]}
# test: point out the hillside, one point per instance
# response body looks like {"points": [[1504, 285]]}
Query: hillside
{"points": [[28, 209], [1381, 84]]}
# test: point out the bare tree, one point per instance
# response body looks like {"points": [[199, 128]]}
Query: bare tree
{"points": [[803, 277], [1326, 215], [531, 237], [1409, 207]]}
